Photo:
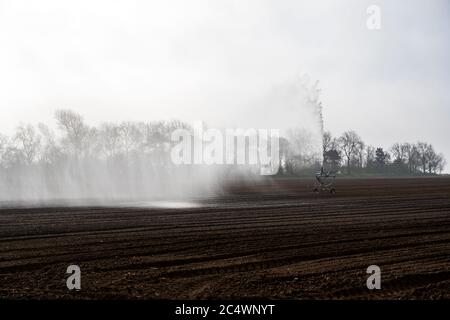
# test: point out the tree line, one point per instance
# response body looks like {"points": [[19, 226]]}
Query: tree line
{"points": [[108, 161], [351, 155], [77, 140], [123, 145]]}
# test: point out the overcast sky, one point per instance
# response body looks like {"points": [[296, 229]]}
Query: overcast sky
{"points": [[214, 60]]}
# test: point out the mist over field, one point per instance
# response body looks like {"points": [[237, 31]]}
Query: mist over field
{"points": [[80, 163]]}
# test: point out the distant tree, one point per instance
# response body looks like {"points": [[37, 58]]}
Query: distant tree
{"points": [[412, 157], [381, 157], [12, 157], [349, 142], [399, 153], [440, 164], [131, 137], [434, 163], [51, 153], [109, 136], [370, 156], [78, 136], [425, 153], [430, 162], [28, 142]]}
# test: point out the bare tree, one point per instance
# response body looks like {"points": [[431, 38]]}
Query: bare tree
{"points": [[77, 134], [131, 137], [429, 161], [349, 142], [399, 152], [436, 162], [12, 157], [29, 142], [425, 152], [441, 163], [412, 157], [51, 152], [110, 136]]}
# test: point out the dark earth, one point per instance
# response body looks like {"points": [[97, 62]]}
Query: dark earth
{"points": [[272, 238]]}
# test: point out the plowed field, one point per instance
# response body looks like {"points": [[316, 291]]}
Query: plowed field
{"points": [[272, 238]]}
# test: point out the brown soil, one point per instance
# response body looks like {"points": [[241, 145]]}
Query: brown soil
{"points": [[268, 239]]}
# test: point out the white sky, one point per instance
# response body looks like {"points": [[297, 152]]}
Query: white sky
{"points": [[211, 60]]}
